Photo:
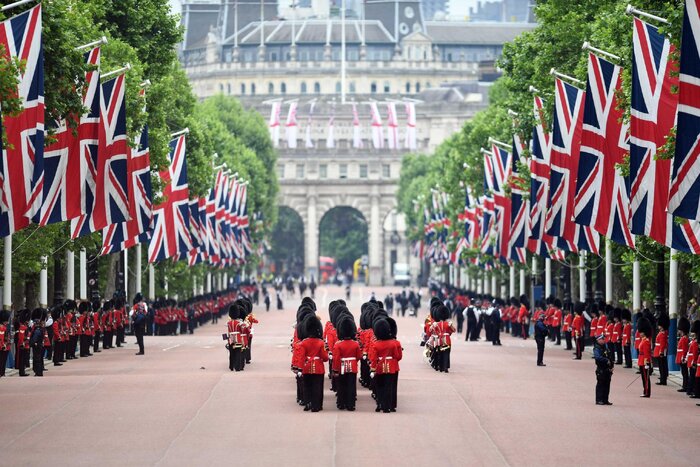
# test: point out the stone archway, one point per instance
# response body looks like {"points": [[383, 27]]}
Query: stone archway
{"points": [[343, 236]]}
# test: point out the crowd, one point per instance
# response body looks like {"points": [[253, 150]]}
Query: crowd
{"points": [[73, 330], [613, 333], [371, 350]]}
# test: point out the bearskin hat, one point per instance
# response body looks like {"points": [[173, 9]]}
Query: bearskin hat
{"points": [[443, 313], [617, 313], [234, 311], [333, 308], [514, 301], [663, 321], [434, 302], [524, 301], [695, 328], [579, 308], [557, 303], [342, 302], [346, 327], [4, 316], [108, 305], [248, 305], [644, 326], [382, 330], [69, 305], [380, 304], [23, 315], [393, 327], [36, 314], [626, 315], [84, 307], [341, 311], [684, 324], [308, 301], [550, 300], [138, 298], [301, 326], [313, 327]]}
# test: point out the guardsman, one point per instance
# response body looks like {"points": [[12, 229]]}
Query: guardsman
{"points": [[299, 335], [627, 337], [97, 325], [443, 330], [661, 349], [5, 341], [616, 338], [386, 355], [313, 354], [556, 320], [593, 311], [694, 367], [682, 350], [330, 337], [524, 316], [577, 328], [603, 320], [566, 327], [690, 358], [644, 359], [107, 325], [347, 354], [22, 342], [235, 341]]}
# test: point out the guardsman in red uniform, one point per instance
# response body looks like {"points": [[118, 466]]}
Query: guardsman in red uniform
{"points": [[235, 340], [644, 359], [22, 342], [5, 344], [443, 330], [556, 321], [578, 330], [609, 330], [602, 322], [118, 319], [97, 326], [297, 361], [682, 350], [627, 337], [313, 353], [347, 355], [616, 338], [524, 316], [386, 355], [330, 337], [107, 325], [692, 354], [365, 337], [566, 328], [661, 349], [594, 322], [82, 326]]}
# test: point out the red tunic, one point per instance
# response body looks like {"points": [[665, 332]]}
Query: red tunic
{"points": [[637, 340], [626, 334], [330, 336], [346, 354], [567, 323], [616, 333], [577, 326], [442, 331], [692, 354], [602, 324], [681, 350], [661, 344], [386, 357], [4, 340], [594, 328], [556, 318], [644, 352], [313, 354]]}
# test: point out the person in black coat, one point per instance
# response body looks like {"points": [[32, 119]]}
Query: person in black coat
{"points": [[139, 318], [541, 334], [496, 322], [604, 362]]}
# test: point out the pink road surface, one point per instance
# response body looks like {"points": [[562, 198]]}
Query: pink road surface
{"points": [[180, 405]]}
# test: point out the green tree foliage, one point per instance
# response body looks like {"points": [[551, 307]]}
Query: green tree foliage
{"points": [[287, 242], [343, 236]]}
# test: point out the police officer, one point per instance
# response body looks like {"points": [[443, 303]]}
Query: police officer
{"points": [[541, 334], [604, 362], [138, 317]]}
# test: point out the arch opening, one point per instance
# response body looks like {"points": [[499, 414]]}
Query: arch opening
{"points": [[343, 237]]}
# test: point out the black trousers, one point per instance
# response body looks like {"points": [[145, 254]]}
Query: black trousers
{"points": [[696, 384], [684, 374], [460, 325], [313, 391], [602, 387], [85, 345], [300, 390], [38, 360], [618, 352], [662, 363], [346, 385], [3, 361], [139, 338], [579, 347], [383, 390], [96, 341], [646, 384], [471, 330], [444, 359], [496, 335], [236, 358], [540, 350], [567, 338], [627, 351], [57, 351], [73, 345], [364, 373], [394, 390], [120, 336], [557, 334], [247, 351]]}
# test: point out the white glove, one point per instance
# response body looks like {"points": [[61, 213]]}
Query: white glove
{"points": [[371, 375]]}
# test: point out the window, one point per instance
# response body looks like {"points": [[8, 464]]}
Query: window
{"points": [[417, 87], [303, 87], [242, 89], [408, 88], [363, 170], [373, 88], [343, 170], [221, 88], [338, 88], [270, 88], [386, 171], [228, 89], [252, 89], [387, 87], [352, 87], [283, 88], [323, 171], [300, 170], [317, 88], [280, 171]]}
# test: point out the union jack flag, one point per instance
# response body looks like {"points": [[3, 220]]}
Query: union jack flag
{"points": [[194, 256], [684, 196], [539, 241], [654, 108], [471, 222], [520, 206], [111, 199], [171, 218], [564, 155], [503, 169], [214, 249], [602, 199], [62, 192], [117, 237], [22, 168]]}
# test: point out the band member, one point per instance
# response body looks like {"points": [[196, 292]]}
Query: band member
{"points": [[661, 348], [577, 328], [386, 355], [235, 340], [5, 344], [346, 355], [644, 359], [627, 337], [313, 354], [442, 330], [682, 351]]}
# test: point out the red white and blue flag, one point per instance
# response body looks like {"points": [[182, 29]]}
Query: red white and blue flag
{"points": [[117, 237], [502, 171], [111, 195], [21, 168], [602, 199], [684, 195], [171, 218], [520, 206], [654, 107], [564, 156]]}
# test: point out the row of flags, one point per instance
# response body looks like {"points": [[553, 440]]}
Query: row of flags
{"points": [[91, 177], [577, 191], [380, 139]]}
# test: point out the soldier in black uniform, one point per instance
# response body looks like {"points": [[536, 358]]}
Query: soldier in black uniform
{"points": [[36, 341], [604, 362]]}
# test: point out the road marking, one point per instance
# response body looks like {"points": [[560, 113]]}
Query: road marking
{"points": [[171, 347]]}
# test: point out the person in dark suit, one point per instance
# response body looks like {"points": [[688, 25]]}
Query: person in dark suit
{"points": [[604, 362], [139, 317], [541, 334]]}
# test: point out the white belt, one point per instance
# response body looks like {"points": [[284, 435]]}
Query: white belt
{"points": [[347, 359], [344, 363]]}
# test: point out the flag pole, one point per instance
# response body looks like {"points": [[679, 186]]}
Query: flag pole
{"points": [[572, 80], [636, 286], [70, 275], [16, 4], [582, 277], [608, 271], [100, 41], [138, 268], [83, 274], [500, 143], [587, 46], [630, 10], [126, 273], [7, 272], [151, 282], [181, 132], [547, 277], [43, 283]]}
